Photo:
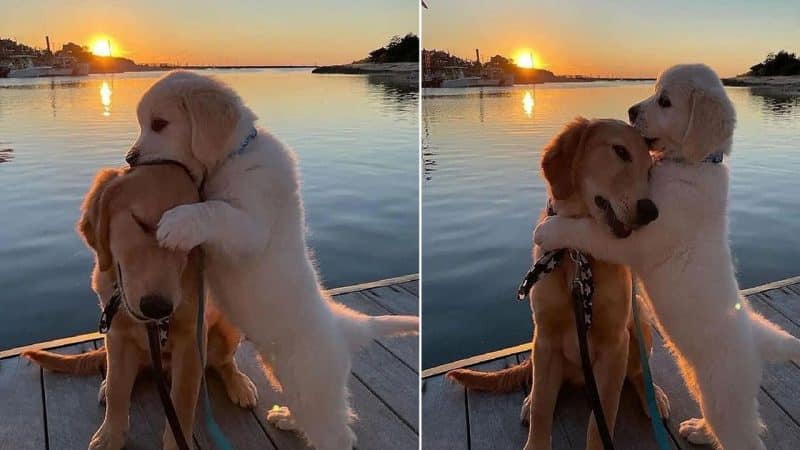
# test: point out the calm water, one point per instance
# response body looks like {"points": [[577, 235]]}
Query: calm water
{"points": [[482, 194], [356, 137]]}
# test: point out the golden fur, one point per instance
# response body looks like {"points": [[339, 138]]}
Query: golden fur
{"points": [[119, 216], [579, 164]]}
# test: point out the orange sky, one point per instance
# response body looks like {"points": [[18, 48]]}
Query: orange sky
{"points": [[208, 32], [615, 37]]}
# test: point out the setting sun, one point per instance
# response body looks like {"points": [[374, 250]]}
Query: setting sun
{"points": [[525, 59], [102, 47]]}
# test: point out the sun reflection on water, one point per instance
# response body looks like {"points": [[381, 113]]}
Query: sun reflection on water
{"points": [[105, 98], [528, 103]]}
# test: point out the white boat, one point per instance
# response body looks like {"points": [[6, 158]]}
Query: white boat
{"points": [[455, 78], [23, 68], [66, 66]]}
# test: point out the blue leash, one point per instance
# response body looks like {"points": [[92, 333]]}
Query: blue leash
{"points": [[657, 423], [217, 436]]}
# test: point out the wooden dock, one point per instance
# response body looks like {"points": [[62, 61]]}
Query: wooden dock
{"points": [[455, 419], [50, 411]]}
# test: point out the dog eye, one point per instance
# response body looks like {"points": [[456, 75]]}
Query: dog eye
{"points": [[158, 124], [622, 152], [145, 227], [664, 102]]}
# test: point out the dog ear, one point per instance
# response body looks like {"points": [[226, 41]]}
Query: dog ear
{"points": [[213, 114], [559, 155], [93, 224], [711, 123]]}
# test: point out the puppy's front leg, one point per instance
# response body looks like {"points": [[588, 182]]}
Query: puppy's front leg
{"points": [[212, 222], [589, 236], [186, 374], [120, 377], [547, 374]]}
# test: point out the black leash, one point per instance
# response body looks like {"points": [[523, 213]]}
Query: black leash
{"points": [[161, 384], [582, 289]]}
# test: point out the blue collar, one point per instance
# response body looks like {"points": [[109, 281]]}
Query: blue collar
{"points": [[714, 158], [243, 147]]}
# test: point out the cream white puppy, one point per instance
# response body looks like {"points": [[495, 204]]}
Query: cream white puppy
{"points": [[684, 261], [252, 227]]}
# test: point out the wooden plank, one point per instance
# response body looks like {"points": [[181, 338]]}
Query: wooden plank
{"points": [[477, 359], [392, 381], [73, 411], [373, 284], [781, 380], [395, 299], [411, 286], [773, 285], [494, 419], [21, 408], [239, 424], [50, 344], [377, 427], [406, 348], [267, 397], [785, 301], [444, 410]]}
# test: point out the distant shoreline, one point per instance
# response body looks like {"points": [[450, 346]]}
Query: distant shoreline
{"points": [[370, 68], [784, 84]]}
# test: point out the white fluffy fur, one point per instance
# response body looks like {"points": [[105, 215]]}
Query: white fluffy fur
{"points": [[685, 264], [257, 266]]}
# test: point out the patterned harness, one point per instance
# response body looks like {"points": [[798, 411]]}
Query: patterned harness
{"points": [[582, 284]]}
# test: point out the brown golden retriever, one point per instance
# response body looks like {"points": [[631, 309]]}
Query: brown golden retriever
{"points": [[593, 168], [120, 213]]}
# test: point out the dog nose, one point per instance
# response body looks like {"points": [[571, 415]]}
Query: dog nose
{"points": [[155, 307], [132, 156], [633, 111], [646, 210]]}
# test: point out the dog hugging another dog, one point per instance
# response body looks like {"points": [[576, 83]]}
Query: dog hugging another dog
{"points": [[145, 225], [603, 191]]}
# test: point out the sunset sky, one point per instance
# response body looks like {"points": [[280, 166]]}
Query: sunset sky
{"points": [[619, 38], [212, 32]]}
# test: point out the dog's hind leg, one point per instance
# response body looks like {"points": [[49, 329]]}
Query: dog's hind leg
{"points": [[315, 390], [728, 391]]}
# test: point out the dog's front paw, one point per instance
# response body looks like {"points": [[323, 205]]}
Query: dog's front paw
{"points": [[548, 234], [107, 438], [181, 228], [242, 391], [695, 431]]}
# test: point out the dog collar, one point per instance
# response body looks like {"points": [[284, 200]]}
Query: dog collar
{"points": [[243, 147]]}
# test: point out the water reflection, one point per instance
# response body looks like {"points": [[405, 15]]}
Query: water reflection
{"points": [[105, 98], [776, 103], [528, 103]]}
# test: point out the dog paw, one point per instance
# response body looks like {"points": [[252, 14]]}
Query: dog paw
{"points": [[695, 431], [180, 228], [525, 411], [547, 234], [280, 417], [242, 391], [106, 438]]}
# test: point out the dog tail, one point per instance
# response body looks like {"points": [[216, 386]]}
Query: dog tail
{"points": [[774, 344], [89, 363], [359, 328], [506, 380]]}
